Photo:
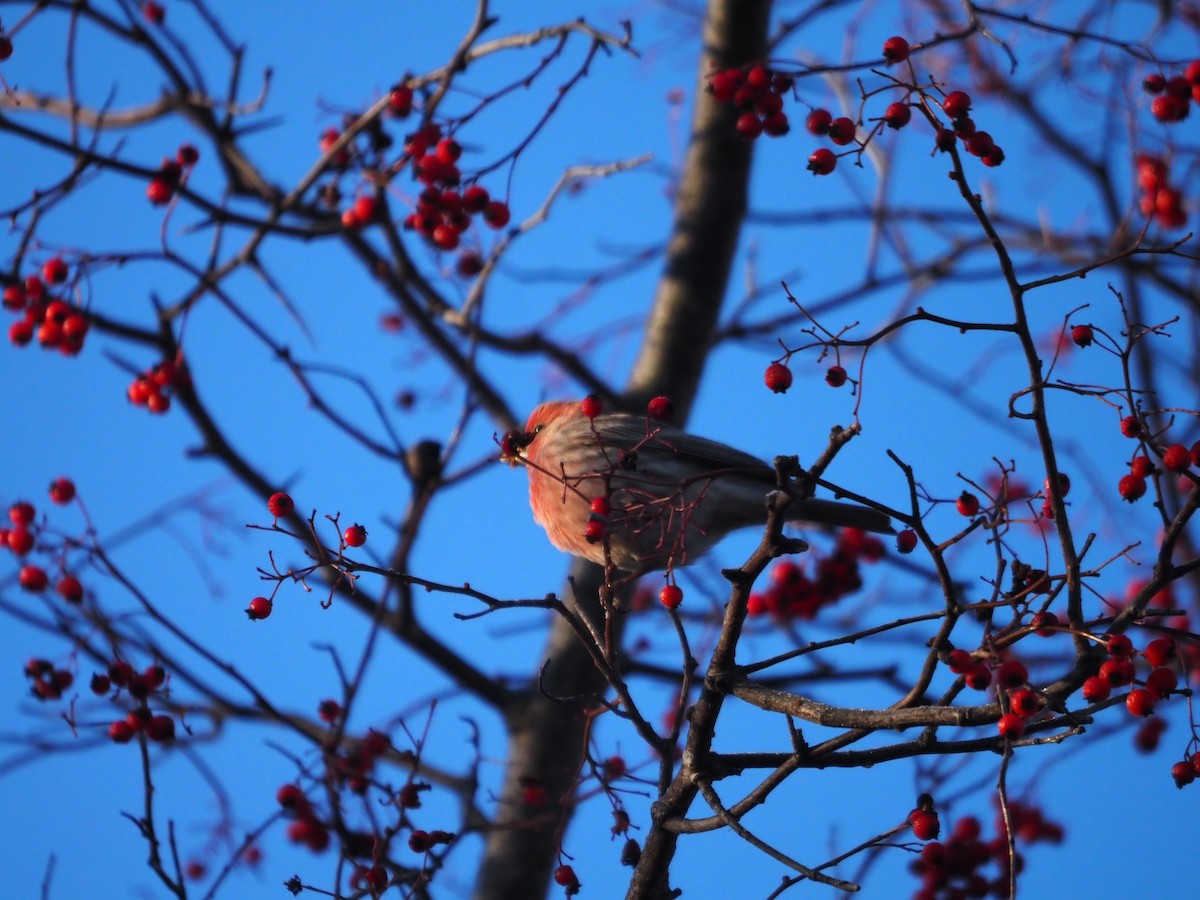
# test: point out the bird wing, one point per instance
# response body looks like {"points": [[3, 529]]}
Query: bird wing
{"points": [[628, 432]]}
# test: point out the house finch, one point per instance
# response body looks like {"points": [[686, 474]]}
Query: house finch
{"points": [[656, 495]]}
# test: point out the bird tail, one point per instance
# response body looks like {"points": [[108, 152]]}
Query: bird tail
{"points": [[842, 515]]}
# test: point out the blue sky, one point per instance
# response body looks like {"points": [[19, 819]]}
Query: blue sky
{"points": [[198, 562]]}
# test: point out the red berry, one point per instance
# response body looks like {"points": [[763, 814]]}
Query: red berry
{"points": [[592, 405], [1160, 651], [1131, 487], [956, 104], [1140, 702], [979, 676], [1024, 702], [20, 333], [153, 12], [33, 579], [841, 131], [778, 378], [120, 731], [1012, 674], [100, 684], [469, 264], [1096, 689], [329, 710], [496, 214], [355, 536], [70, 589], [448, 151], [161, 729], [967, 504], [55, 271], [1011, 726], [6, 47], [1119, 646], [822, 161], [280, 504], [1154, 83], [1169, 108], [1179, 87], [565, 876], [660, 408], [1082, 335], [159, 191], [725, 84], [1117, 672], [400, 101], [925, 824], [1142, 466], [817, 122], [1131, 427], [980, 144], [906, 541], [595, 530], [22, 513], [895, 49], [1161, 682], [960, 661], [20, 540], [62, 490], [835, 377], [1044, 623], [1183, 773], [776, 124], [1177, 458], [671, 596], [600, 506], [445, 238], [759, 78], [749, 125], [259, 608], [897, 115]]}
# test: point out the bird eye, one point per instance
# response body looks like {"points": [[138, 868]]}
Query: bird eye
{"points": [[537, 428]]}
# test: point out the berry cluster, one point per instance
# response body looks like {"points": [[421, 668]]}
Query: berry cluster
{"points": [[1175, 458], [48, 683], [1119, 671], [792, 594], [1159, 199], [1173, 96], [153, 388], [158, 727], [958, 867], [758, 95], [57, 323], [21, 539], [172, 174], [957, 106]]}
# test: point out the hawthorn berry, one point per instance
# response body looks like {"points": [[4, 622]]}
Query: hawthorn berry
{"points": [[817, 122], [355, 535], [1161, 682], [565, 876], [1044, 623], [956, 104], [592, 405], [1117, 672], [906, 541], [841, 131], [6, 47], [153, 12], [822, 161], [776, 124], [661, 407], [835, 377], [329, 710], [1142, 466], [20, 333], [749, 126], [671, 596], [55, 271], [1169, 108], [1096, 689], [1183, 773], [33, 579], [100, 684], [1082, 335], [1024, 702], [897, 115], [1177, 458], [960, 661], [895, 49], [496, 214], [159, 191], [967, 504], [944, 140], [778, 377], [469, 264], [1160, 651], [70, 589], [20, 540], [1140, 702], [979, 676], [280, 504], [121, 731], [924, 824], [1154, 83], [1131, 487], [259, 608], [400, 101], [1012, 674], [1118, 645], [161, 729], [1011, 726]]}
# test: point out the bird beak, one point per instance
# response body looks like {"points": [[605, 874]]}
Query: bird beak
{"points": [[512, 444]]}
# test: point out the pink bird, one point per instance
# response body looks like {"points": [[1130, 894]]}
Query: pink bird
{"points": [[656, 495]]}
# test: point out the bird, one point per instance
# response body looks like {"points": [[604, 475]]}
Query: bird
{"points": [[647, 495]]}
